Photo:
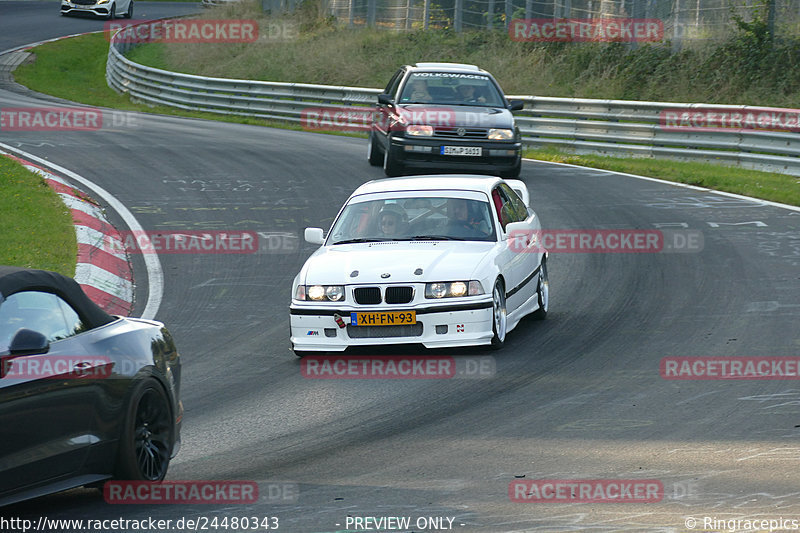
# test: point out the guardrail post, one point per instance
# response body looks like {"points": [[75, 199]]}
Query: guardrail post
{"points": [[509, 12], [426, 8], [371, 12], [490, 15], [459, 12]]}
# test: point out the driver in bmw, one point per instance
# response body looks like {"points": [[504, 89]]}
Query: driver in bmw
{"points": [[461, 222]]}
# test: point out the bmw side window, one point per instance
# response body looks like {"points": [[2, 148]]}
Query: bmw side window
{"points": [[40, 311], [505, 211], [518, 205]]}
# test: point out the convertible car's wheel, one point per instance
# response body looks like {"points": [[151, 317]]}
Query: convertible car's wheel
{"points": [[111, 10], [391, 167], [145, 445], [129, 13], [374, 151], [499, 315], [542, 293]]}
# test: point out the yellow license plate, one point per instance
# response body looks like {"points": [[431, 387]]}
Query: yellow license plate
{"points": [[384, 318]]}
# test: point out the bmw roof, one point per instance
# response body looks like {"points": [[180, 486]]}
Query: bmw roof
{"points": [[435, 182]]}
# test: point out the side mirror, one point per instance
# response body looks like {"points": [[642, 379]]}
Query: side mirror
{"points": [[516, 105], [519, 235], [314, 235], [385, 99], [28, 342]]}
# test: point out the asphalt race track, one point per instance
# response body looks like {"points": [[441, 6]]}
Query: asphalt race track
{"points": [[578, 396]]}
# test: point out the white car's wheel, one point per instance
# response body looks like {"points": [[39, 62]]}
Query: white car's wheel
{"points": [[111, 12], [498, 315], [542, 293]]}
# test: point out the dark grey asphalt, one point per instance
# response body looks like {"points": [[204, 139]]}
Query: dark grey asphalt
{"points": [[576, 396]]}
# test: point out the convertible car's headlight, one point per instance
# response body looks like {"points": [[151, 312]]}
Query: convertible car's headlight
{"points": [[500, 135], [320, 293], [453, 289], [418, 130]]}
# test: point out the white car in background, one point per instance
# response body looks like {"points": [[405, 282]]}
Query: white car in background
{"points": [[107, 9], [442, 260]]}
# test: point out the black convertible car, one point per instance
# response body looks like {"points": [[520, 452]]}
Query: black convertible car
{"points": [[84, 396]]}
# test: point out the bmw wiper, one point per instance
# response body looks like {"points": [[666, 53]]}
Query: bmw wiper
{"points": [[351, 241], [435, 238]]}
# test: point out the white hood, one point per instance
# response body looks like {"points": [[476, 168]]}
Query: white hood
{"points": [[439, 261]]}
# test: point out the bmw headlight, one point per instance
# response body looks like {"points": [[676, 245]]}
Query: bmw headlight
{"points": [[320, 293], [453, 289], [418, 130], [496, 134]]}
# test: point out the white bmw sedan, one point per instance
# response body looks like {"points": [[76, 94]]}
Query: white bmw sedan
{"points": [[441, 261]]}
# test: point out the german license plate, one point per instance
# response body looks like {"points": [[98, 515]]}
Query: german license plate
{"points": [[475, 151], [384, 318]]}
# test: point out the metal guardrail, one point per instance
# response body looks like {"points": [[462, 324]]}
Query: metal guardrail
{"points": [[611, 127]]}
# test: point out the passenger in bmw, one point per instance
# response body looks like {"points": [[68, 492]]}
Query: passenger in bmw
{"points": [[392, 220]]}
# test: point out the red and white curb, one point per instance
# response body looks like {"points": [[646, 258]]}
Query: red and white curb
{"points": [[102, 271]]}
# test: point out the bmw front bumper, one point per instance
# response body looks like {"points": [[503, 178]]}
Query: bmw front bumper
{"points": [[440, 325]]}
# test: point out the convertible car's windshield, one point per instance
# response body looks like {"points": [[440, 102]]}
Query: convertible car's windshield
{"points": [[423, 218]]}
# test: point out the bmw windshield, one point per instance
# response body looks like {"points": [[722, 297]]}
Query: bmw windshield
{"points": [[414, 218]]}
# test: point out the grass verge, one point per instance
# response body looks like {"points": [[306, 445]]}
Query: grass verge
{"points": [[74, 69], [37, 226]]}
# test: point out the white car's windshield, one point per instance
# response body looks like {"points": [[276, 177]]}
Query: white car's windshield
{"points": [[424, 218]]}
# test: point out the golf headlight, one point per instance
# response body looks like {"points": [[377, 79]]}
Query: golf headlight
{"points": [[418, 130], [320, 293], [453, 289], [500, 135]]}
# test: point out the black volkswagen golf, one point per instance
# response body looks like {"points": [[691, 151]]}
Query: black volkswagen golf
{"points": [[84, 396], [445, 117]]}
